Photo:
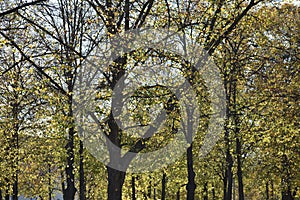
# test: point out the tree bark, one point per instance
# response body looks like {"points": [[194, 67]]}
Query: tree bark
{"points": [[267, 190], [191, 186], [133, 187], [81, 173], [115, 183], [229, 160], [163, 187], [69, 192], [15, 145], [178, 194], [239, 169], [15, 187], [229, 175], [225, 184]]}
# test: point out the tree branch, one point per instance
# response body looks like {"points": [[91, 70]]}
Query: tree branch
{"points": [[20, 7]]}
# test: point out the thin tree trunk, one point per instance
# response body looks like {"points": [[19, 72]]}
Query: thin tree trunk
{"points": [[81, 173], [191, 186], [213, 192], [225, 184], [272, 189], [7, 193], [205, 191], [239, 170], [49, 181], [238, 145], [229, 175], [163, 187], [149, 189], [285, 180], [228, 156], [178, 194], [267, 190], [69, 192], [115, 183], [15, 144], [233, 190], [133, 187], [15, 187]]}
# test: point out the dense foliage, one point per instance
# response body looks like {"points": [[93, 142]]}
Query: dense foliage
{"points": [[43, 48]]}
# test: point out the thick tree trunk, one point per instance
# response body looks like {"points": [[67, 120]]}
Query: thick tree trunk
{"points": [[115, 183], [133, 188], [163, 187], [81, 173], [191, 186]]}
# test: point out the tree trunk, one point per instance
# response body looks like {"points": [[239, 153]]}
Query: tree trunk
{"points": [[15, 188], [133, 187], [272, 190], [163, 187], [7, 193], [225, 184], [205, 191], [229, 175], [286, 180], [191, 186], [178, 194], [149, 189], [15, 145], [238, 145], [287, 195], [49, 181], [267, 190], [239, 169], [228, 156], [81, 173], [69, 192], [115, 183]]}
